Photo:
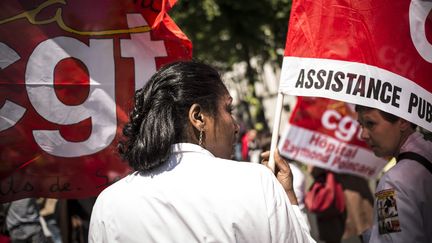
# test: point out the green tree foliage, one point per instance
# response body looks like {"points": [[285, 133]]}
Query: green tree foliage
{"points": [[224, 32]]}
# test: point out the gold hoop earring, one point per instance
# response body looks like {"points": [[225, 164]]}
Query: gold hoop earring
{"points": [[200, 138]]}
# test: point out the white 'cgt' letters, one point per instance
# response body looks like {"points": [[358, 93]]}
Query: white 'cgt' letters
{"points": [[345, 127], [99, 105]]}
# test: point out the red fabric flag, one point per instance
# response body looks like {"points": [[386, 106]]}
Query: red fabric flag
{"points": [[364, 52], [68, 72]]}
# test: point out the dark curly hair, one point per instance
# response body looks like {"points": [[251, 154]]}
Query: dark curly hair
{"points": [[160, 115]]}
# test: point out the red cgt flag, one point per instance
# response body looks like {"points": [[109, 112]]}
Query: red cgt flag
{"points": [[68, 72], [364, 52]]}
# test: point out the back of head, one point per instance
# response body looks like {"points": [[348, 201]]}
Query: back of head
{"points": [[159, 117]]}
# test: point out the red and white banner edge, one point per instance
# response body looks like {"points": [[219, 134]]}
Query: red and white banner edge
{"points": [[292, 66]]}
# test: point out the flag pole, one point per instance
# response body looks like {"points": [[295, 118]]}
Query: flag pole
{"points": [[275, 133]]}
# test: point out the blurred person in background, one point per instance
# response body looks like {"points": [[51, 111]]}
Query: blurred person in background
{"points": [[356, 217], [249, 144], [49, 212], [23, 222]]}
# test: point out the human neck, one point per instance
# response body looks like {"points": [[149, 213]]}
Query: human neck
{"points": [[404, 136]]}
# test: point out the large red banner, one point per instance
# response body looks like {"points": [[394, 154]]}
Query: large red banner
{"points": [[68, 72], [325, 133], [373, 53]]}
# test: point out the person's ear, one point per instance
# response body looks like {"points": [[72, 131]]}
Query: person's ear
{"points": [[196, 116], [404, 125]]}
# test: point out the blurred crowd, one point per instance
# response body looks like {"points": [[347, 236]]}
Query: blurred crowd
{"points": [[45, 220], [347, 225]]}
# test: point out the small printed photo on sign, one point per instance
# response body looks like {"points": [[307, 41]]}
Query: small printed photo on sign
{"points": [[388, 220]]}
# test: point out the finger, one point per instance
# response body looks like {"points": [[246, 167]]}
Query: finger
{"points": [[281, 163], [265, 155], [265, 158]]}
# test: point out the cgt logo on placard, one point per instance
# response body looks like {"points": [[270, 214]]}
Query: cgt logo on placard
{"points": [[344, 126], [98, 59]]}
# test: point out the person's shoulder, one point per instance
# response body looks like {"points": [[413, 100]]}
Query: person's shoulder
{"points": [[418, 144], [117, 188], [406, 175], [398, 172], [245, 168], [410, 167], [242, 164]]}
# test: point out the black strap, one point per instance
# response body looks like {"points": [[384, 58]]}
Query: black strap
{"points": [[417, 157], [5, 210]]}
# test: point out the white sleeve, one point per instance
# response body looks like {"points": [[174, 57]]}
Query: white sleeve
{"points": [[299, 184], [97, 231], [286, 221]]}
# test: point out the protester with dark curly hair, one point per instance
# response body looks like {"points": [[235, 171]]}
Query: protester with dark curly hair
{"points": [[185, 188]]}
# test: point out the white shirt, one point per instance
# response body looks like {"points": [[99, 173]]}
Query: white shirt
{"points": [[411, 184], [196, 197], [299, 186]]}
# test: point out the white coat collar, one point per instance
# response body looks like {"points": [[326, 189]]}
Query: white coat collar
{"points": [[189, 147]]}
